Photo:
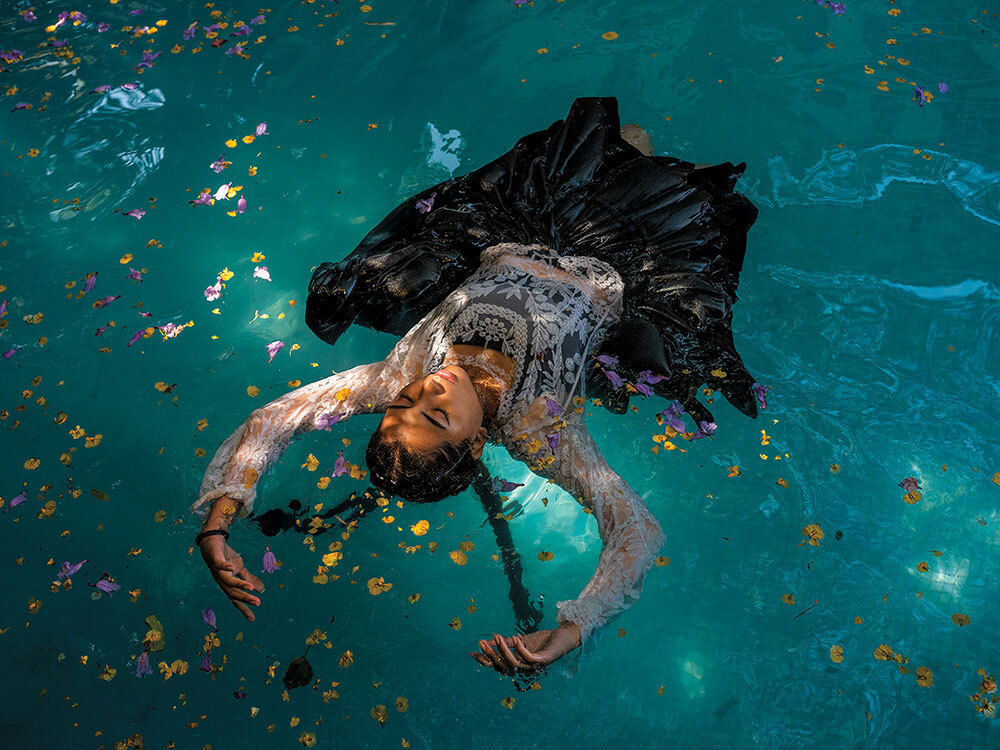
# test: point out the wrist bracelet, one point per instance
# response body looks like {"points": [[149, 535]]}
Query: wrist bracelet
{"points": [[211, 532]]}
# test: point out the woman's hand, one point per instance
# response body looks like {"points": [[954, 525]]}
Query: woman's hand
{"points": [[231, 574], [528, 653]]}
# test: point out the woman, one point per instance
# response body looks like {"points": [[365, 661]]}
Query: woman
{"points": [[637, 273]]}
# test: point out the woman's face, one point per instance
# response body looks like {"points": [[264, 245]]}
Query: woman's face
{"points": [[442, 406]]}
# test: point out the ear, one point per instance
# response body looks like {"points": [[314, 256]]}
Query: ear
{"points": [[478, 443]]}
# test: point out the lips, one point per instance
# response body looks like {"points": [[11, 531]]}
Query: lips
{"points": [[447, 376]]}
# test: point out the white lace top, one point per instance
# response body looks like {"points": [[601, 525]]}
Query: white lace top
{"points": [[544, 312]]}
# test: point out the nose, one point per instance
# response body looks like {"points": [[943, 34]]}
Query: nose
{"points": [[432, 385]]}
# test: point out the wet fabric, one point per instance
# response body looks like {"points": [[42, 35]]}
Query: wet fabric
{"points": [[675, 234]]}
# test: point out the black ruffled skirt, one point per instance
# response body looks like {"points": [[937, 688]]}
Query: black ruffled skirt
{"points": [[675, 234]]}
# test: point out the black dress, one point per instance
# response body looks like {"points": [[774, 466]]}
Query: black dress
{"points": [[675, 234]]}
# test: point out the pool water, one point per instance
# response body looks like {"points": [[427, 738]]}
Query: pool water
{"points": [[869, 302]]}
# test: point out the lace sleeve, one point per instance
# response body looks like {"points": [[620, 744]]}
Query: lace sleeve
{"points": [[248, 452], [630, 533]]}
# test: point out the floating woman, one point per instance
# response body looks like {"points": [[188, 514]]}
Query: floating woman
{"points": [[575, 266]]}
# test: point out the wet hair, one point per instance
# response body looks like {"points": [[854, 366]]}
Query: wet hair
{"points": [[420, 477]]}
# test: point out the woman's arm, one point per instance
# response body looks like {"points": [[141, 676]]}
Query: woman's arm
{"points": [[246, 455], [631, 534], [229, 487]]}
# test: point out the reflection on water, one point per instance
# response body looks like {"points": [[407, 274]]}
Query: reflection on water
{"points": [[847, 176]]}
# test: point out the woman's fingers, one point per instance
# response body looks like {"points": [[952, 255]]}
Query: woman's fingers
{"points": [[239, 594], [525, 654], [225, 578], [480, 658], [507, 654], [492, 655], [255, 582], [244, 609]]}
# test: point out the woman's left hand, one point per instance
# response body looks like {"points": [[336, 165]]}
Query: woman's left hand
{"points": [[527, 653]]}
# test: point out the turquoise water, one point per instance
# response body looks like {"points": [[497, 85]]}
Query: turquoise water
{"points": [[868, 303]]}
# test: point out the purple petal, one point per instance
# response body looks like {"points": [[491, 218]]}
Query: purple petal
{"points": [[219, 164], [22, 105], [614, 377], [28, 16], [705, 429], [136, 12], [760, 391], [204, 198], [943, 87], [215, 291], [554, 407], [208, 615], [3, 308], [136, 212], [142, 665], [243, 30], [206, 663], [502, 485], [553, 438], [241, 204], [91, 280], [340, 465], [270, 562], [607, 360], [273, 348], [426, 204], [130, 86], [257, 19], [134, 274], [135, 337], [108, 587], [9, 353], [102, 329], [671, 415], [145, 314], [262, 128], [910, 484], [15, 501], [105, 301], [235, 49], [102, 27], [67, 569], [642, 388], [326, 421]]}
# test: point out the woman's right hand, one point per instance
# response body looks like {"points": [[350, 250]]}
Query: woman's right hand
{"points": [[231, 574]]}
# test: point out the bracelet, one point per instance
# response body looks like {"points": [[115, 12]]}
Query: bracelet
{"points": [[211, 532]]}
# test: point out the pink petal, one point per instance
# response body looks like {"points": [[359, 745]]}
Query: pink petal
{"points": [[261, 272], [273, 348]]}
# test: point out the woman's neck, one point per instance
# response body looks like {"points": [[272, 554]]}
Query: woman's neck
{"points": [[490, 371]]}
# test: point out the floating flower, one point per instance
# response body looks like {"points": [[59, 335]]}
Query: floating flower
{"points": [[502, 485], [273, 348], [22, 105], [102, 329], [28, 16], [223, 192], [235, 49], [257, 20], [326, 421], [219, 164], [240, 694], [147, 58], [760, 391], [919, 95], [136, 12], [270, 562], [189, 31], [705, 429], [204, 198], [3, 308], [91, 280], [340, 465], [671, 415], [208, 615], [425, 204], [607, 360], [101, 28], [142, 667], [133, 274], [206, 663], [67, 569], [213, 292], [9, 353], [943, 87], [138, 213], [642, 388], [261, 272], [909, 484], [135, 337], [614, 377], [106, 585], [241, 204], [11, 55], [554, 408], [105, 301], [262, 128], [15, 501]]}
